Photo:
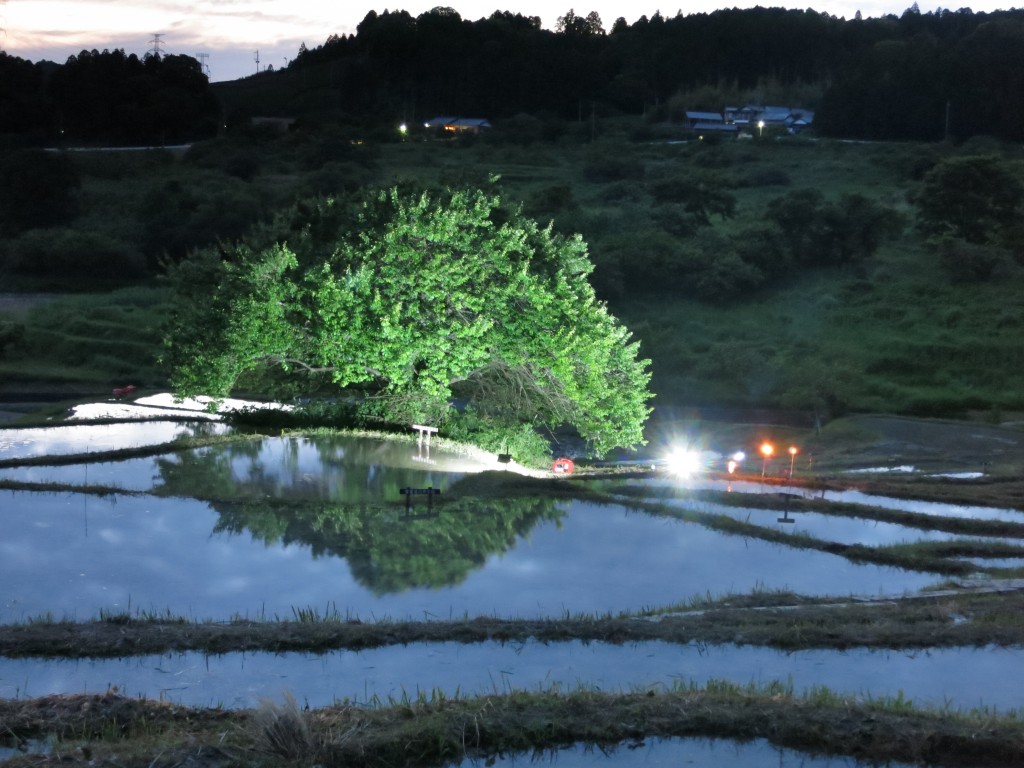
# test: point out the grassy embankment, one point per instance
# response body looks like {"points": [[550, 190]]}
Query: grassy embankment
{"points": [[433, 730], [889, 334]]}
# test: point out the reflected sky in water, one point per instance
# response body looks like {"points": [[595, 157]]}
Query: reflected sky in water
{"points": [[75, 555], [850, 497], [129, 475], [86, 438], [672, 753], [961, 678], [295, 467], [845, 530]]}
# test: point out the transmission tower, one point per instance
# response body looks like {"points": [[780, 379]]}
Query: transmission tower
{"points": [[156, 42], [257, 61], [203, 66]]}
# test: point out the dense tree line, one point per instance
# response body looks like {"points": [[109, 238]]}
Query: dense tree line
{"points": [[915, 76], [106, 97]]}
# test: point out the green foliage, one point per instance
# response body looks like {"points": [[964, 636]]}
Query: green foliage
{"points": [[972, 198], [702, 196], [410, 298], [37, 189], [493, 433], [834, 234], [178, 216], [712, 269], [11, 334], [63, 253], [91, 338], [549, 200], [967, 262], [314, 414], [603, 165]]}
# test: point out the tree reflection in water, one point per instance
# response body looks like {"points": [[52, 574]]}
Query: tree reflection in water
{"points": [[342, 500]]}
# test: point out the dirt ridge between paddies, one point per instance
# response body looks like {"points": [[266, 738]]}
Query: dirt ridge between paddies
{"points": [[111, 730], [992, 615]]}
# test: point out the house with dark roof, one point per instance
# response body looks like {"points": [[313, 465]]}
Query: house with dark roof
{"points": [[693, 118], [457, 125], [792, 119]]}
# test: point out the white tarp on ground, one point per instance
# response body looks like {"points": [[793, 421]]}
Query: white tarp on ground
{"points": [[78, 435], [165, 405]]}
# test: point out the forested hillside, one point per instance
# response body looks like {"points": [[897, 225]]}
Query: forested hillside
{"points": [[922, 76], [917, 76]]}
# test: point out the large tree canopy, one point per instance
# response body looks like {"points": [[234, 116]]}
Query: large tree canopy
{"points": [[417, 298]]}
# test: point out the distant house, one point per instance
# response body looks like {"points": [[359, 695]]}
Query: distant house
{"points": [[800, 120], [774, 115], [708, 122], [706, 118], [457, 125], [714, 127], [793, 119]]}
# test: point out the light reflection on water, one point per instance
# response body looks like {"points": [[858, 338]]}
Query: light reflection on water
{"points": [[850, 497], [961, 678], [844, 530]]}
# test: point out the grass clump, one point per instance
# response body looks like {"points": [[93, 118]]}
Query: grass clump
{"points": [[282, 730]]}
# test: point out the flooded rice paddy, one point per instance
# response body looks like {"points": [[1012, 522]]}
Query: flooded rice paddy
{"points": [[958, 678], [671, 753], [917, 506], [262, 528]]}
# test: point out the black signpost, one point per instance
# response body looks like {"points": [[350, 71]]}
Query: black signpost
{"points": [[428, 492]]}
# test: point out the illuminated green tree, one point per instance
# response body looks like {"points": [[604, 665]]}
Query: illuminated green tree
{"points": [[414, 299]]}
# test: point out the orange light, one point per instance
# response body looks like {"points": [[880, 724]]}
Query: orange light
{"points": [[792, 450], [767, 449]]}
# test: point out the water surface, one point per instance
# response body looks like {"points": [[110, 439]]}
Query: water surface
{"points": [[74, 555], [960, 678], [672, 753], [33, 442]]}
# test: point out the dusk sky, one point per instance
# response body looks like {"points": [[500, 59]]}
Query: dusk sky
{"points": [[232, 31]]}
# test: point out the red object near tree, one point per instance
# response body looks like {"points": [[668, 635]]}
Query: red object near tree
{"points": [[563, 466]]}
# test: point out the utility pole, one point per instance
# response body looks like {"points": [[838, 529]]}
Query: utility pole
{"points": [[203, 66]]}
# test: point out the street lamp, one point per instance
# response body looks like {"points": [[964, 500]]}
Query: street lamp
{"points": [[760, 128], [767, 449], [792, 462]]}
